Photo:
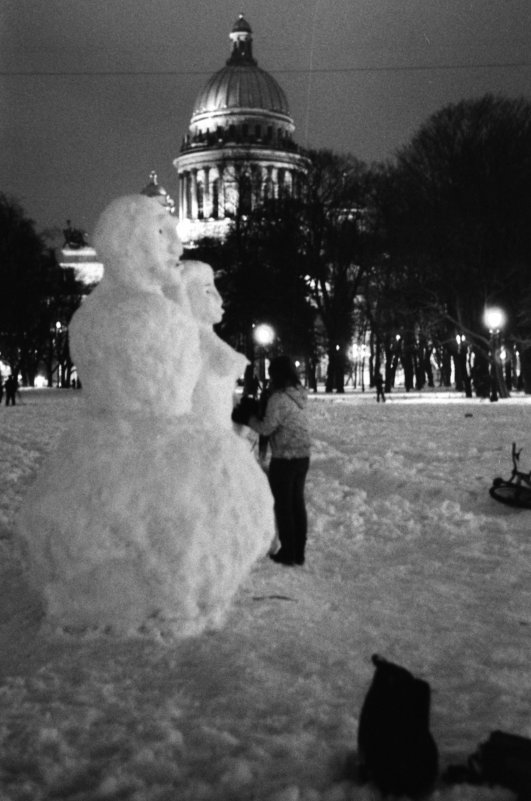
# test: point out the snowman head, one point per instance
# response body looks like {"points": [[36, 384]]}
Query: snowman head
{"points": [[136, 239], [205, 301]]}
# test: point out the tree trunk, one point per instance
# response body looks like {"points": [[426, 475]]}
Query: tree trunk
{"points": [[335, 376], [409, 370], [526, 370], [480, 375], [311, 374]]}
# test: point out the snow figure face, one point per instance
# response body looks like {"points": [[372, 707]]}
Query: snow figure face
{"points": [[136, 239], [205, 301]]}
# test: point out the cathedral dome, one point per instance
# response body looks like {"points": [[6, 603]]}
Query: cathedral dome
{"points": [[239, 151], [241, 86]]}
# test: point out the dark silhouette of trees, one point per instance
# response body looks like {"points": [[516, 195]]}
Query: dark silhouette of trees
{"points": [[258, 272], [338, 249], [298, 264], [36, 295], [464, 216], [411, 250]]}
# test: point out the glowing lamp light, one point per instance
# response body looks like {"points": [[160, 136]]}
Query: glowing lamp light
{"points": [[264, 335], [494, 318]]}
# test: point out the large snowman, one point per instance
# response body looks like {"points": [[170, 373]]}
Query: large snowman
{"points": [[152, 510]]}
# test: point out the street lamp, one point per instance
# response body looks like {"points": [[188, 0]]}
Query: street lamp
{"points": [[494, 319], [264, 336]]}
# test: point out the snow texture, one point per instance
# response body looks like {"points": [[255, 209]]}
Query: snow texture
{"points": [[150, 512], [408, 556]]}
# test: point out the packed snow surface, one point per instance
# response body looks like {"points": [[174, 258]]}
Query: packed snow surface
{"points": [[408, 556]]}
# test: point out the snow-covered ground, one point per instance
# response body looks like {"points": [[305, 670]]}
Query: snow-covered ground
{"points": [[408, 556]]}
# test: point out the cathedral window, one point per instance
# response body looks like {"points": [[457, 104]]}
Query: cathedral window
{"points": [[200, 201], [281, 183], [246, 195], [215, 198], [188, 194]]}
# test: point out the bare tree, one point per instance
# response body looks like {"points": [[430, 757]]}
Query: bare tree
{"points": [[465, 213]]}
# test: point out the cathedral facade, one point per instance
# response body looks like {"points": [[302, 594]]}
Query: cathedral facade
{"points": [[239, 150]]}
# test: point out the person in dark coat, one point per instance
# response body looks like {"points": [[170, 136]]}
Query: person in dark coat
{"points": [[379, 384], [11, 388]]}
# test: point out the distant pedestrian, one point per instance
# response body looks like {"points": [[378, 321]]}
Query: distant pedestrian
{"points": [[1, 387], [379, 384], [11, 388]]}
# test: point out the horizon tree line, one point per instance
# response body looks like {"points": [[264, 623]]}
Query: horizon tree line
{"points": [[404, 254]]}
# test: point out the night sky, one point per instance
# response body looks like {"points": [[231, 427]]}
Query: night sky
{"points": [[96, 93]]}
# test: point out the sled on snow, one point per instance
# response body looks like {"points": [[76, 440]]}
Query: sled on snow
{"points": [[515, 491]]}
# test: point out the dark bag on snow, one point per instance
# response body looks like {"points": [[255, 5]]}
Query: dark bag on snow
{"points": [[396, 750], [505, 759]]}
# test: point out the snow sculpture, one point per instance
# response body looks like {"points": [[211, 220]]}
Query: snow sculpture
{"points": [[151, 512], [221, 365]]}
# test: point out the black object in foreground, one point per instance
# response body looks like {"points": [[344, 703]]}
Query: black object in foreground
{"points": [[247, 407], [515, 491], [396, 750], [504, 759]]}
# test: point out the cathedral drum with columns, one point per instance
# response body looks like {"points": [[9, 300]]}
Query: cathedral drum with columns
{"points": [[239, 150]]}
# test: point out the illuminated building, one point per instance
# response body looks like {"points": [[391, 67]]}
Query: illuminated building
{"points": [[239, 150], [77, 255]]}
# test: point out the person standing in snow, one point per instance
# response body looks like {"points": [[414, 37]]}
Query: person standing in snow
{"points": [[379, 384], [11, 388], [285, 423]]}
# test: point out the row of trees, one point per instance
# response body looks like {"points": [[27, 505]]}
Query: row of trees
{"points": [[404, 255], [37, 300], [408, 253]]}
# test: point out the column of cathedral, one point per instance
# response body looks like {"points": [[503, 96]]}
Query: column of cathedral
{"points": [[182, 195], [268, 183]]}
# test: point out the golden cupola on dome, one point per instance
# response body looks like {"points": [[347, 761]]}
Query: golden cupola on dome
{"points": [[155, 190], [241, 93]]}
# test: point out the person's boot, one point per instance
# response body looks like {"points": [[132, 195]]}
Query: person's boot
{"points": [[281, 557]]}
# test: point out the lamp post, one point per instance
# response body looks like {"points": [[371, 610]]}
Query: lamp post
{"points": [[264, 336], [494, 319]]}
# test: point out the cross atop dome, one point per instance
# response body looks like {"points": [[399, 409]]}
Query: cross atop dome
{"points": [[241, 24], [242, 44]]}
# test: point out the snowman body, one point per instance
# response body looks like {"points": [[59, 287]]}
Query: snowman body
{"points": [[149, 514]]}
